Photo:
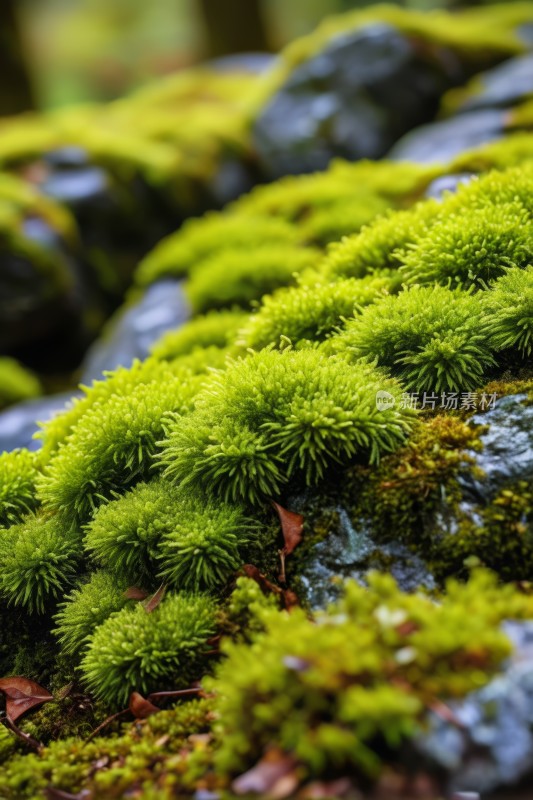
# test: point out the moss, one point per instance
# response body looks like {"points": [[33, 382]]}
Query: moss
{"points": [[155, 752], [240, 277], [343, 710], [510, 306], [111, 448], [18, 476], [39, 559], [433, 339], [16, 383], [276, 417], [310, 312], [136, 651], [215, 329], [201, 239], [87, 607]]}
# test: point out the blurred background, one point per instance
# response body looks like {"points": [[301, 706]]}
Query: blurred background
{"points": [[58, 52]]}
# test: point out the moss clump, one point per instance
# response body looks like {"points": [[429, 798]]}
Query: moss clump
{"points": [[136, 651], [339, 709], [240, 277], [124, 535], [111, 447], [201, 239], [432, 338], [18, 476], [510, 306], [16, 383], [86, 608], [215, 329], [279, 416], [39, 558], [309, 313], [161, 751]]}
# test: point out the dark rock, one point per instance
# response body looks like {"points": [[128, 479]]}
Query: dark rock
{"points": [[19, 423], [353, 99], [447, 183], [351, 552], [492, 746], [131, 333], [77, 186], [507, 455], [439, 142], [503, 86]]}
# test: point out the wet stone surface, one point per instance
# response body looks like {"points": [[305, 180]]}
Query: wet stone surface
{"points": [[353, 99]]}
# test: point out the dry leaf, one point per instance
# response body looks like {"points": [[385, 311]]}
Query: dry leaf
{"points": [[58, 794], [155, 599], [21, 695], [140, 707], [291, 526], [134, 593], [274, 776]]}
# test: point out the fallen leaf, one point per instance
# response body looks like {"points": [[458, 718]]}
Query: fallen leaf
{"points": [[319, 790], [52, 793], [291, 526], [21, 695], [155, 599], [134, 593], [140, 707], [274, 775], [290, 599]]}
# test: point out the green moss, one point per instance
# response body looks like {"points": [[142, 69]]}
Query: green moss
{"points": [[18, 476], [136, 651], [111, 448], [240, 277], [215, 329], [86, 608], [510, 307], [310, 312], [39, 558], [16, 383], [276, 417], [433, 339], [204, 238], [339, 709]]}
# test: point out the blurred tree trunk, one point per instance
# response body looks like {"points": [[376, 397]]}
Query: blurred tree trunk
{"points": [[234, 26], [15, 87]]}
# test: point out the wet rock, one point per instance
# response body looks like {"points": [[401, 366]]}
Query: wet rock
{"points": [[130, 335], [503, 86], [353, 99], [492, 745], [447, 183], [507, 454], [350, 551], [19, 423], [439, 142]]}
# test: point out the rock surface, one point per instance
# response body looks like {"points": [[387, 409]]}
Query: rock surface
{"points": [[19, 423], [353, 99], [130, 335], [439, 142]]}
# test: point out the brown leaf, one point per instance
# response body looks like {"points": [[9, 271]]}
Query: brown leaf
{"points": [[21, 695], [253, 572], [51, 793], [134, 593], [290, 599], [275, 776], [140, 707], [155, 599], [318, 790], [291, 526]]}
